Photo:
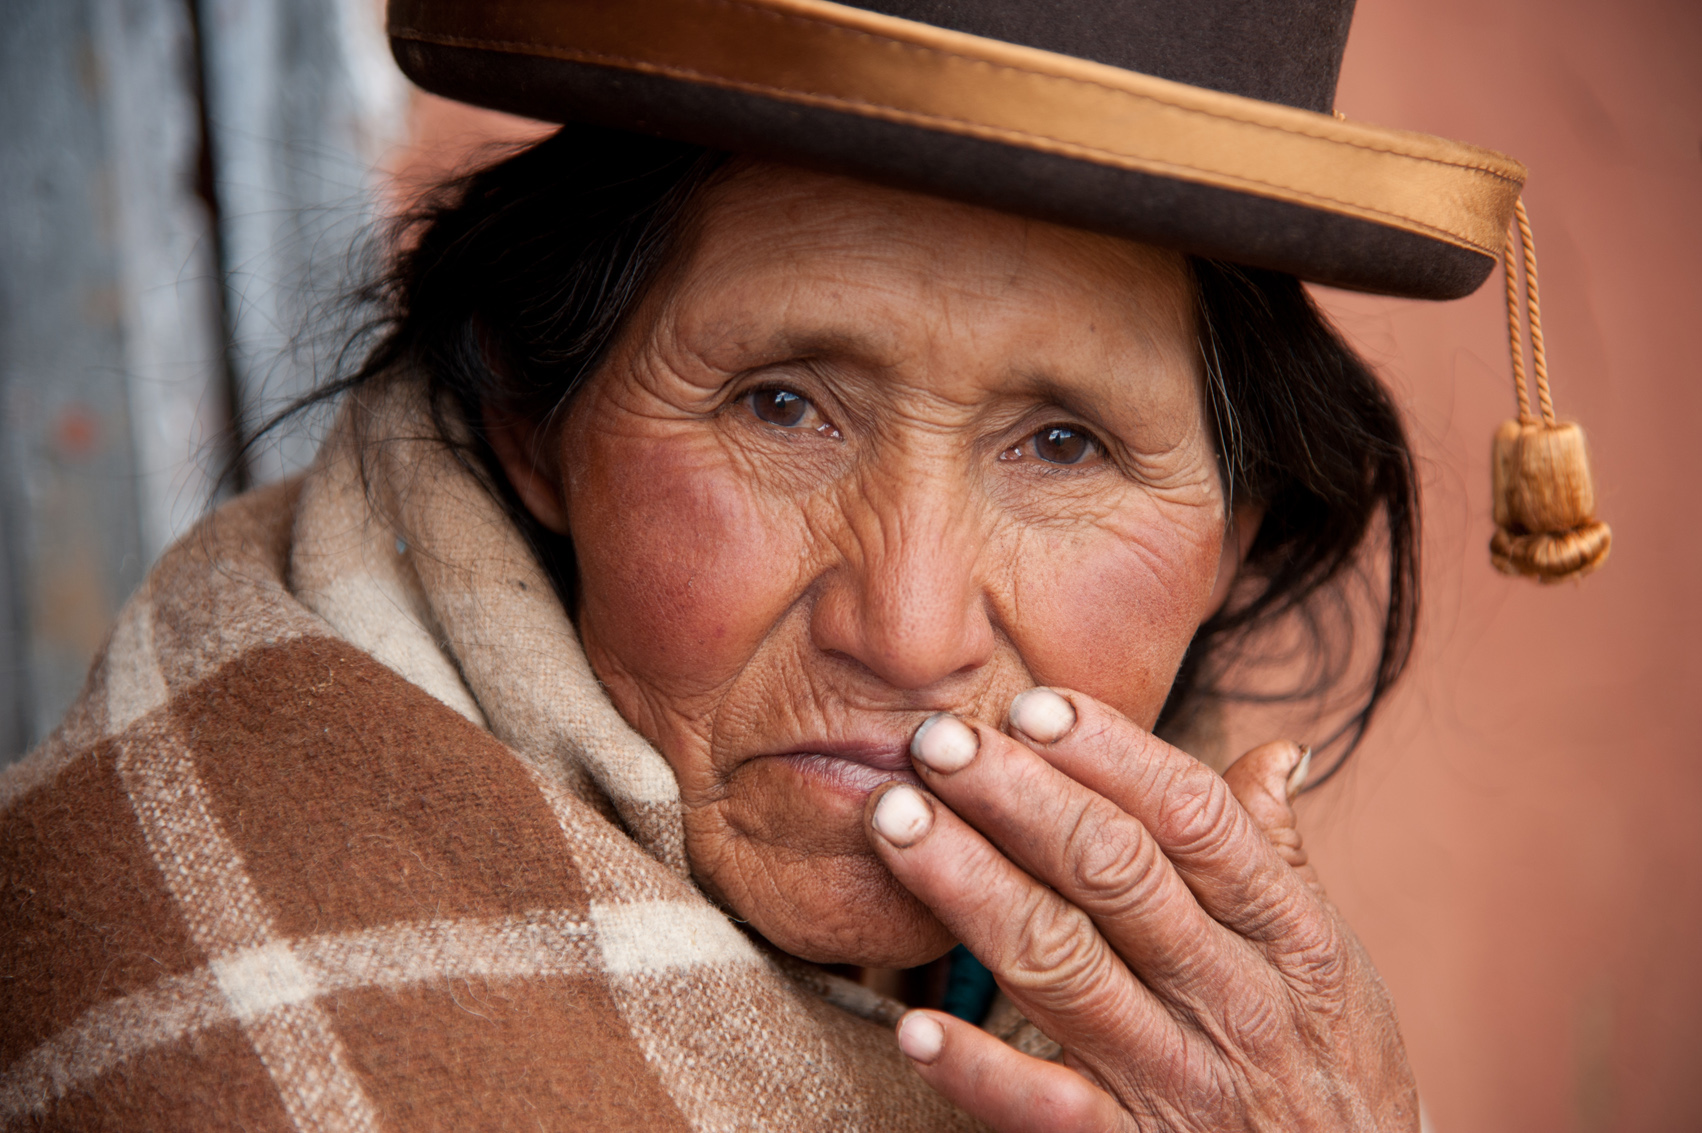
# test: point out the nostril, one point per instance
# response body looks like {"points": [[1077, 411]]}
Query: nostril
{"points": [[924, 666]]}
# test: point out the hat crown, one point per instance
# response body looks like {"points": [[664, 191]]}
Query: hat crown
{"points": [[1284, 51], [1201, 125]]}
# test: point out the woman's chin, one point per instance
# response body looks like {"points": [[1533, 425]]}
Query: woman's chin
{"points": [[785, 850]]}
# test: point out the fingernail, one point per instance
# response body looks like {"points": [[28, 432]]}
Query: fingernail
{"points": [[921, 1037], [1297, 777], [945, 743], [1042, 714], [903, 816]]}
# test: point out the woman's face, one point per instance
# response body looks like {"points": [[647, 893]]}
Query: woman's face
{"points": [[863, 456]]}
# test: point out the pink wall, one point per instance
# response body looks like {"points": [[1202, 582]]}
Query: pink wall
{"points": [[1520, 843], [1521, 846]]}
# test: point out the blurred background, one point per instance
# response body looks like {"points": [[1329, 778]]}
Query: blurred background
{"points": [[186, 185]]}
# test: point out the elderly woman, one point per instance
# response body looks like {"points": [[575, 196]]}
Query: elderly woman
{"points": [[741, 573]]}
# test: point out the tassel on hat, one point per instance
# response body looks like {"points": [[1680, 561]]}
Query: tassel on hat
{"points": [[1545, 521]]}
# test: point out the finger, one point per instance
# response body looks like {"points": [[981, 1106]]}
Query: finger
{"points": [[1043, 951], [1092, 853], [1004, 1088], [1265, 782], [1226, 860]]}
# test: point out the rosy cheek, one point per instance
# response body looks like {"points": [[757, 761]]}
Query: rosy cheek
{"points": [[1112, 612], [682, 572]]}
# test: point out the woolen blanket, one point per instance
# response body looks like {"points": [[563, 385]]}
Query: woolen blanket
{"points": [[343, 834]]}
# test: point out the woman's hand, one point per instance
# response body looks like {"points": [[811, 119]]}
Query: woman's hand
{"points": [[1155, 919]]}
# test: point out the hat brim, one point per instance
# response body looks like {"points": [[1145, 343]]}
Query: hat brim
{"points": [[996, 124]]}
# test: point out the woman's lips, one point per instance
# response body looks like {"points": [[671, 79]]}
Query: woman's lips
{"points": [[856, 768]]}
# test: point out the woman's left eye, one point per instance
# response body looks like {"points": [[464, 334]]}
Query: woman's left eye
{"points": [[1057, 444]]}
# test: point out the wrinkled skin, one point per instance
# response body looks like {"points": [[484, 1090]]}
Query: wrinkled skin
{"points": [[863, 456]]}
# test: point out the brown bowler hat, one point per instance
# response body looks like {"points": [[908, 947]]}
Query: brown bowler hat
{"points": [[1204, 125]]}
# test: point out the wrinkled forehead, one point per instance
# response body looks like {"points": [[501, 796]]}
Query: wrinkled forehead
{"points": [[778, 252]]}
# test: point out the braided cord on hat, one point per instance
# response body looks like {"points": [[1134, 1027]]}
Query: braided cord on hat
{"points": [[1525, 242]]}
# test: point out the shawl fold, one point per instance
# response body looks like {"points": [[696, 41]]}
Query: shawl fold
{"points": [[343, 834]]}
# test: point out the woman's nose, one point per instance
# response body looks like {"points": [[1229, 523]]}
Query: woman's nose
{"points": [[907, 602]]}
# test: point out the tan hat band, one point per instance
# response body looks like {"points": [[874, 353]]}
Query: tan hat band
{"points": [[830, 55]]}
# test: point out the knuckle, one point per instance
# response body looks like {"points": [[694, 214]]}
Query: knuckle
{"points": [[1286, 920], [1315, 955], [1112, 861], [1200, 817], [1057, 952]]}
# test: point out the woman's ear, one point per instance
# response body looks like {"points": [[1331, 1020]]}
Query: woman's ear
{"points": [[1244, 520], [520, 449]]}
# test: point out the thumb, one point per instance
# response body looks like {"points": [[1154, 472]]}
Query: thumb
{"points": [[1265, 782]]}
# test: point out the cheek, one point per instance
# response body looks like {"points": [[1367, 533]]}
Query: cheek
{"points": [[678, 560], [1110, 610]]}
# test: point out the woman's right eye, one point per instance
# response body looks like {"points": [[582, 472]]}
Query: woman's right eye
{"points": [[790, 410], [779, 407]]}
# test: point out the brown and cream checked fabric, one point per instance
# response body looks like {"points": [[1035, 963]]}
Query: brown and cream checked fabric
{"points": [[343, 835]]}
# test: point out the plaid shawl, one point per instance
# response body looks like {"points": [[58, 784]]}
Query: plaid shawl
{"points": [[343, 834]]}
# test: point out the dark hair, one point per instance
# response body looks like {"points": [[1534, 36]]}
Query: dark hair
{"points": [[506, 287], [1306, 430]]}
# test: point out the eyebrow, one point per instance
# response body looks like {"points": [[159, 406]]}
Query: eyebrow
{"points": [[1070, 398], [826, 344]]}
